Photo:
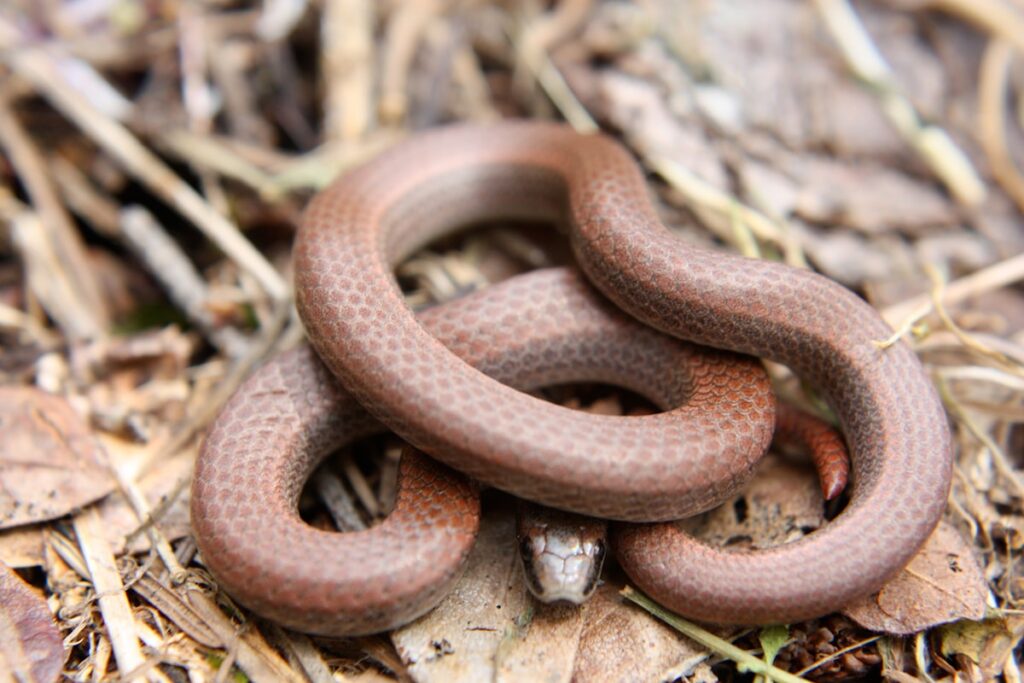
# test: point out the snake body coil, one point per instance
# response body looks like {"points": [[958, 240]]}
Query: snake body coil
{"points": [[290, 415], [358, 229]]}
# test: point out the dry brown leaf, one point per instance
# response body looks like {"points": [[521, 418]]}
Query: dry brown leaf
{"points": [[853, 259], [781, 503], [461, 639], [871, 198], [791, 83], [22, 547], [622, 643], [639, 109], [31, 647], [490, 628], [942, 583], [50, 462], [546, 646], [987, 643]]}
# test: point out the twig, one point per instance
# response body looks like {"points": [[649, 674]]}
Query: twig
{"points": [[36, 66], [404, 30], [534, 60], [360, 486], [279, 18], [229, 66], [302, 651], [338, 501], [991, 277], [47, 281], [102, 212], [980, 373], [533, 48], [1002, 463], [707, 197], [346, 51], [932, 143], [1006, 362], [12, 318], [211, 152], [992, 16], [58, 229], [836, 655], [171, 267], [110, 590], [254, 654], [746, 661]]}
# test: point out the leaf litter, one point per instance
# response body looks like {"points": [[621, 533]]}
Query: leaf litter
{"points": [[156, 160]]}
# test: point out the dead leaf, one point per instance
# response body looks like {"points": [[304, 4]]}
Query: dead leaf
{"points": [[460, 639], [490, 628], [546, 646], [22, 547], [781, 503], [638, 108], [868, 197], [987, 643], [31, 647], [942, 583], [50, 461], [620, 643], [790, 81], [853, 259]]}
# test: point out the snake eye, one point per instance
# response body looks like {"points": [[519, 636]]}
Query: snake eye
{"points": [[599, 551], [526, 547]]}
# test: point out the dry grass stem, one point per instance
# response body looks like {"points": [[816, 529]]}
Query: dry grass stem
{"points": [[934, 145], [110, 592], [992, 277], [709, 198], [185, 287], [36, 66], [405, 29], [347, 45], [58, 231], [992, 101]]}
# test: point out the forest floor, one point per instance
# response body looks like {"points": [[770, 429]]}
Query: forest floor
{"points": [[156, 159]]}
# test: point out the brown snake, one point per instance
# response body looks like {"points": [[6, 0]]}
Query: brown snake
{"points": [[290, 414], [620, 468]]}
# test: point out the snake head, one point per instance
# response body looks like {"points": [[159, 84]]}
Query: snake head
{"points": [[562, 554]]}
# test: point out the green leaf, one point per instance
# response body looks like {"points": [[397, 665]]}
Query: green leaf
{"points": [[773, 638]]}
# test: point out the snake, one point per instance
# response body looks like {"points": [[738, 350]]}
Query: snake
{"points": [[292, 413], [562, 553], [355, 231]]}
